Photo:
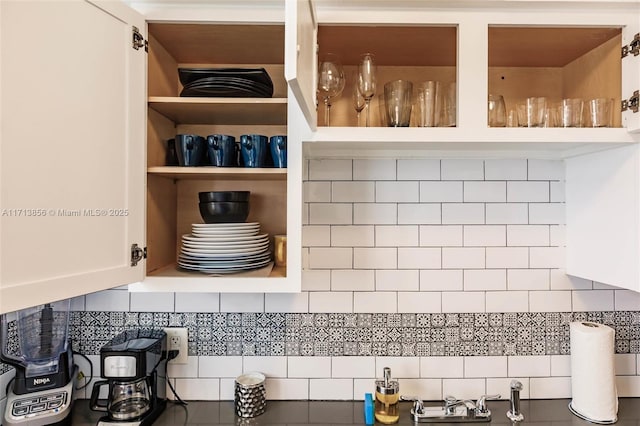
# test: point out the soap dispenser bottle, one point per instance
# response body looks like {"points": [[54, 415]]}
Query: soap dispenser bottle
{"points": [[387, 407]]}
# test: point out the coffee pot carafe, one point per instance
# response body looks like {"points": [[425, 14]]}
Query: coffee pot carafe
{"points": [[127, 400]]}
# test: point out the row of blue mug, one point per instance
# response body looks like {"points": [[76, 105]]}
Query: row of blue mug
{"points": [[223, 151]]}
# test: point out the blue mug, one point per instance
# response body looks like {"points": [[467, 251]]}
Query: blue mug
{"points": [[222, 150], [191, 150], [278, 146], [255, 149]]}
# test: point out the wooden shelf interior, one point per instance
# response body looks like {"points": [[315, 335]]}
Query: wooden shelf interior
{"points": [[211, 172]]}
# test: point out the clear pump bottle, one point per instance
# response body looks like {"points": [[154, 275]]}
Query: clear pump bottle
{"points": [[387, 408]]}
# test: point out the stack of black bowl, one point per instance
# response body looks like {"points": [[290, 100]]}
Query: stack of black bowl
{"points": [[224, 206]]}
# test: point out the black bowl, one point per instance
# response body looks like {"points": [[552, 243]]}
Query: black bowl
{"points": [[224, 196], [224, 211]]}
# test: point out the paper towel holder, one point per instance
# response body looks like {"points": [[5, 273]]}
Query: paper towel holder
{"points": [[599, 422]]}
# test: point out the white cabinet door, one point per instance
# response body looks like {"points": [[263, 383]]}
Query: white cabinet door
{"points": [[72, 149], [300, 61]]}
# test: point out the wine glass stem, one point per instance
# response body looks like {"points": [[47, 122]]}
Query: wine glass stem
{"points": [[327, 112], [368, 116], [358, 118]]}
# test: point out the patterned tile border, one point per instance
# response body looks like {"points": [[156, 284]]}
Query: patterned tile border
{"points": [[338, 334]]}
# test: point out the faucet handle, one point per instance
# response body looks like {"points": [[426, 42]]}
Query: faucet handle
{"points": [[418, 405], [482, 402]]}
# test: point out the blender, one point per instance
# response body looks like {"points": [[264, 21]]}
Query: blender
{"points": [[36, 343]]}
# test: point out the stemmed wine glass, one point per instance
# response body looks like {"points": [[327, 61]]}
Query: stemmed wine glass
{"points": [[330, 81], [358, 100], [367, 81]]}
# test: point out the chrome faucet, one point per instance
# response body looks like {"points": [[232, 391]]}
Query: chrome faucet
{"points": [[514, 413], [453, 411]]}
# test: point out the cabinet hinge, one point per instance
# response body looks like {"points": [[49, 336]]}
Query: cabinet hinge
{"points": [[632, 103], [633, 47], [137, 254], [139, 41]]}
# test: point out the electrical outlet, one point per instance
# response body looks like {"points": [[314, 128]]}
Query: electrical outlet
{"points": [[178, 339]]}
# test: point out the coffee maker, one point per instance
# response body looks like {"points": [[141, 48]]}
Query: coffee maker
{"points": [[35, 341], [134, 364]]}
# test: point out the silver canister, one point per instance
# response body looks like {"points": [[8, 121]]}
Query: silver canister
{"points": [[250, 395]]}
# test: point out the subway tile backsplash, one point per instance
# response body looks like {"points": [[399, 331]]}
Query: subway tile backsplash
{"points": [[447, 271]]}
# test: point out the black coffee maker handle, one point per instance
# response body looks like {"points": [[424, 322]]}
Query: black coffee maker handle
{"points": [[94, 403]]}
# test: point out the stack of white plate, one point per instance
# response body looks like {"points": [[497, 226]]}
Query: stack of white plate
{"points": [[224, 248]]}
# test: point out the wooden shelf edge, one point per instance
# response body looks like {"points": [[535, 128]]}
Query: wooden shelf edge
{"points": [[212, 101], [211, 172]]}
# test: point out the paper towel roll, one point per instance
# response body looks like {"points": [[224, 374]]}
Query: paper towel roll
{"points": [[593, 376]]}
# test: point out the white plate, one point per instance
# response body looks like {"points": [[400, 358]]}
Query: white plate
{"points": [[223, 265], [227, 270], [226, 225], [222, 253], [208, 259], [226, 247], [214, 240]]}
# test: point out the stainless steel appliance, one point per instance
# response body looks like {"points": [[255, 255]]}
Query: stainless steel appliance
{"points": [[134, 364], [35, 341]]}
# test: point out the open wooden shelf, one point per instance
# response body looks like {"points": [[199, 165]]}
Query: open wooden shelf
{"points": [[227, 173]]}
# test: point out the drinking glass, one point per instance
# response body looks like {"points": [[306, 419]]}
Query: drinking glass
{"points": [[600, 110], [358, 101], [330, 81], [397, 98], [571, 112], [367, 81], [426, 101], [497, 111]]}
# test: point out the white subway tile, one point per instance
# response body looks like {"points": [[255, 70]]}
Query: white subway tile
{"points": [[419, 169], [528, 279], [286, 302], [464, 388], [462, 169], [501, 386], [219, 366], [316, 236], [270, 366], [441, 192], [485, 235], [485, 192], [316, 280], [428, 389], [316, 192], [309, 366], [396, 235], [397, 280], [602, 286], [331, 389], [419, 214], [375, 214], [561, 281], [305, 213], [507, 257], [109, 301], [152, 302], [362, 386], [378, 169], [470, 302], [287, 389], [440, 235], [77, 303], [527, 192], [557, 192], [560, 365], [397, 192], [305, 169], [419, 258], [549, 387], [546, 170], [592, 300], [508, 213], [626, 300], [529, 366], [441, 280], [550, 301], [546, 257], [401, 366], [197, 302], [375, 301], [352, 280], [198, 389], [415, 302], [628, 386], [463, 257], [546, 213], [330, 214], [505, 169], [625, 364], [527, 235], [462, 214], [507, 301], [352, 236], [442, 367], [227, 389], [329, 258], [558, 235], [485, 366], [373, 258], [322, 301], [241, 302], [353, 367], [330, 169], [485, 279], [190, 369], [353, 192]]}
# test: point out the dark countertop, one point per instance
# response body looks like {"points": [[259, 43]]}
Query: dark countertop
{"points": [[546, 412]]}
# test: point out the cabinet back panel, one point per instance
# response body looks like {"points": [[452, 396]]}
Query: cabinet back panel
{"points": [[159, 131], [162, 70], [161, 222], [518, 83]]}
